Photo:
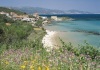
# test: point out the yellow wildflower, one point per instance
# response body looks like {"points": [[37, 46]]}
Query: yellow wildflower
{"points": [[6, 62], [47, 68], [39, 68], [33, 61], [23, 66], [31, 67], [25, 62]]}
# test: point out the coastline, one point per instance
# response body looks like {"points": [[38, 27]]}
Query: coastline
{"points": [[51, 40]]}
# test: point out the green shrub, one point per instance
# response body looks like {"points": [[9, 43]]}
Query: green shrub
{"points": [[5, 19], [89, 50], [14, 32], [39, 23]]}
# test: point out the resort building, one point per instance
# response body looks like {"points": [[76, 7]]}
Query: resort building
{"points": [[44, 18], [2, 12], [36, 15], [28, 19], [18, 17], [54, 18]]}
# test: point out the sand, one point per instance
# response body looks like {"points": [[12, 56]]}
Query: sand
{"points": [[50, 40]]}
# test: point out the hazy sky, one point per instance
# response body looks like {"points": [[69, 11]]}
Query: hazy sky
{"points": [[84, 5]]}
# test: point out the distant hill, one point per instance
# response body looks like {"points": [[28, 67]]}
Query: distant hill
{"points": [[31, 10], [77, 12], [8, 10]]}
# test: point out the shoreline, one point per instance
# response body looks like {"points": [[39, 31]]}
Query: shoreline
{"points": [[51, 40]]}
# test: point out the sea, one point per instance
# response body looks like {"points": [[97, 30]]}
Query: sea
{"points": [[85, 28]]}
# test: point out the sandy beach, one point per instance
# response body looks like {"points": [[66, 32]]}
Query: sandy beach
{"points": [[50, 40]]}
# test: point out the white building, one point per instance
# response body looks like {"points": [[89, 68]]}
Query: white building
{"points": [[43, 17], [54, 18], [36, 15], [28, 19], [3, 13]]}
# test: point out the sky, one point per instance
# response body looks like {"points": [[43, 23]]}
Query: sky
{"points": [[82, 5]]}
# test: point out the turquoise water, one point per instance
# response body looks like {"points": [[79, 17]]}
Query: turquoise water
{"points": [[78, 31]]}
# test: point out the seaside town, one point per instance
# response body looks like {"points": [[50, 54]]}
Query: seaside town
{"points": [[34, 19], [26, 18]]}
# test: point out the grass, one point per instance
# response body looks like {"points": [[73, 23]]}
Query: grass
{"points": [[37, 29], [21, 49], [16, 31], [36, 58]]}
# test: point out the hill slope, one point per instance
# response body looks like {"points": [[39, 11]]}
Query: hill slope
{"points": [[31, 10], [8, 10]]}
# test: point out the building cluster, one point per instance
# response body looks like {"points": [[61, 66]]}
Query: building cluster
{"points": [[55, 18], [35, 17]]}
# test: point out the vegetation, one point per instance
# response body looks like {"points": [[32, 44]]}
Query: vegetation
{"points": [[21, 49], [33, 56], [5, 19], [15, 31], [38, 24], [29, 54], [8, 10]]}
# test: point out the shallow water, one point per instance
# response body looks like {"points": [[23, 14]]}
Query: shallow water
{"points": [[78, 31]]}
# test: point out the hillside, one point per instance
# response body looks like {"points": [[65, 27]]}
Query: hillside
{"points": [[78, 12], [5, 19], [31, 10], [8, 10]]}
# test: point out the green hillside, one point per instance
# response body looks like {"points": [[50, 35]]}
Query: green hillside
{"points": [[4, 9], [5, 19]]}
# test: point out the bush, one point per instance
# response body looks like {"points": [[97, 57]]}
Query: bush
{"points": [[39, 23], [1, 34], [5, 19], [15, 32], [89, 50]]}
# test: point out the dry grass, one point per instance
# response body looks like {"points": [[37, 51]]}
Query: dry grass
{"points": [[37, 28]]}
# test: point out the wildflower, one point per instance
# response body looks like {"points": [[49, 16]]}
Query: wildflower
{"points": [[33, 61], [25, 62], [31, 67], [39, 68], [23, 66], [47, 68], [6, 62]]}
